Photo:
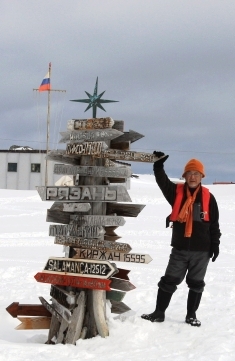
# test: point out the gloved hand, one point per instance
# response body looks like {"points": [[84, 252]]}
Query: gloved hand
{"points": [[159, 162], [214, 251]]}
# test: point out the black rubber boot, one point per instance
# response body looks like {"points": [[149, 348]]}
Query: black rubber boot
{"points": [[163, 300], [193, 303]]}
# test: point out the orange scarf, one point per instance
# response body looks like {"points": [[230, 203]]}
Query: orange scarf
{"points": [[186, 212]]}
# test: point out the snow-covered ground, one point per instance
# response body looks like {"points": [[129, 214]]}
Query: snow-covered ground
{"points": [[26, 246]]}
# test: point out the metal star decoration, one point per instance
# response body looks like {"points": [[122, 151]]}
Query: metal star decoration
{"points": [[94, 100]]}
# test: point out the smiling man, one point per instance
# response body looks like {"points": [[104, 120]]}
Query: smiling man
{"points": [[195, 237]]}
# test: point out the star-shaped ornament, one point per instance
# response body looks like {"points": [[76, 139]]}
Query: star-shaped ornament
{"points": [[94, 100]]}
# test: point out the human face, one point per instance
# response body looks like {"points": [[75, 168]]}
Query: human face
{"points": [[193, 178]]}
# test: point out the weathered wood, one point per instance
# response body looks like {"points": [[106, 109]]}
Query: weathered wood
{"points": [[131, 136], [70, 266], [110, 231], [58, 217], [54, 329], [86, 148], [91, 123], [76, 207], [15, 309], [119, 307], [50, 308], [99, 306], [33, 323], [98, 220], [62, 330], [94, 244], [62, 157], [93, 171], [64, 297], [113, 256], [75, 327], [75, 230], [63, 311], [111, 238], [115, 295], [73, 281], [120, 146], [125, 210], [89, 320], [123, 285], [125, 155], [84, 193], [122, 273], [76, 136], [119, 125]]}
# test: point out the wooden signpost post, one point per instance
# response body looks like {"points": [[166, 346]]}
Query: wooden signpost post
{"points": [[87, 215]]}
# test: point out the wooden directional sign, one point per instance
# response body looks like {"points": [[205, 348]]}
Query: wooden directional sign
{"points": [[15, 309], [92, 123], [89, 135], [92, 193], [86, 148], [113, 256], [50, 308], [73, 281], [61, 156], [97, 269], [102, 220], [115, 295], [119, 307], [125, 210], [119, 284], [130, 136], [89, 171], [92, 244], [122, 273], [63, 311], [75, 230], [64, 297], [76, 207], [34, 323]]}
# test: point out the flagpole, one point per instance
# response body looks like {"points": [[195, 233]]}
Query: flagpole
{"points": [[48, 127]]}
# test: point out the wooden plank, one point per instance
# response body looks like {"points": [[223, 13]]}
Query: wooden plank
{"points": [[119, 307], [87, 268], [50, 308], [91, 123], [62, 157], [76, 207], [125, 210], [110, 231], [121, 145], [84, 193], [62, 331], [93, 171], [54, 329], [15, 309], [115, 295], [119, 125], [62, 311], [90, 135], [123, 285], [74, 281], [75, 327], [86, 148], [33, 323], [111, 238], [131, 136], [99, 307], [64, 297], [113, 256], [122, 273], [97, 220], [77, 231], [124, 155], [94, 244]]}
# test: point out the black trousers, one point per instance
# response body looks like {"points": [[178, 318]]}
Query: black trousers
{"points": [[182, 263]]}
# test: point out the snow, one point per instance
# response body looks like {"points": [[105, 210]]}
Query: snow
{"points": [[26, 246]]}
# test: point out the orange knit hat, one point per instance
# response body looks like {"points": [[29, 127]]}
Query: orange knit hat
{"points": [[194, 165]]}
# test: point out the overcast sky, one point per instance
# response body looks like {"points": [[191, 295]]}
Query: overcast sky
{"points": [[169, 63]]}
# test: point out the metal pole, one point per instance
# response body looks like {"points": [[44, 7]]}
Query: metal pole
{"points": [[48, 128]]}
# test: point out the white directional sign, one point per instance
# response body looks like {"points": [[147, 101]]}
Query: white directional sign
{"points": [[115, 172], [80, 136]]}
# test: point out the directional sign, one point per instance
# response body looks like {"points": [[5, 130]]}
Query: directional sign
{"points": [[102, 220], [50, 308], [98, 269], [63, 311], [125, 210], [15, 309], [34, 323], [94, 244], [76, 207], [73, 281], [92, 123], [115, 172], [75, 230], [115, 295], [87, 148], [113, 256], [89, 135], [130, 136], [119, 284], [64, 297], [119, 307], [61, 156], [84, 193]]}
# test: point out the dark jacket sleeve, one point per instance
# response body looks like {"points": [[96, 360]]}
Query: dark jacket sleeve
{"points": [[214, 220], [167, 187]]}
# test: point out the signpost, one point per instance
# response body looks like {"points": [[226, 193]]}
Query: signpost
{"points": [[89, 135], [93, 171], [113, 256]]}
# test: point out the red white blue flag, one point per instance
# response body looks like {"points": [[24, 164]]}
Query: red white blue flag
{"points": [[46, 83]]}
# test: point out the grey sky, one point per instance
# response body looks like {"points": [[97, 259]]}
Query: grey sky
{"points": [[170, 63]]}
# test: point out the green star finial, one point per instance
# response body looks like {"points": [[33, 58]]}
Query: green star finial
{"points": [[94, 100]]}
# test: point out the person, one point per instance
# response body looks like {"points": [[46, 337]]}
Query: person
{"points": [[195, 237]]}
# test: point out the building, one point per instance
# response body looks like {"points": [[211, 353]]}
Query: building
{"points": [[25, 169]]}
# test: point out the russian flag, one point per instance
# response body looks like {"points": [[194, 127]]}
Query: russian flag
{"points": [[46, 84]]}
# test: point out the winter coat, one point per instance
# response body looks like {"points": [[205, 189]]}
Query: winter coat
{"points": [[204, 233]]}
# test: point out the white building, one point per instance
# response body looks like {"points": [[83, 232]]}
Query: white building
{"points": [[25, 169]]}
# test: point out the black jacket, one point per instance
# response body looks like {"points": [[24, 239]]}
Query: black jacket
{"points": [[204, 233]]}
